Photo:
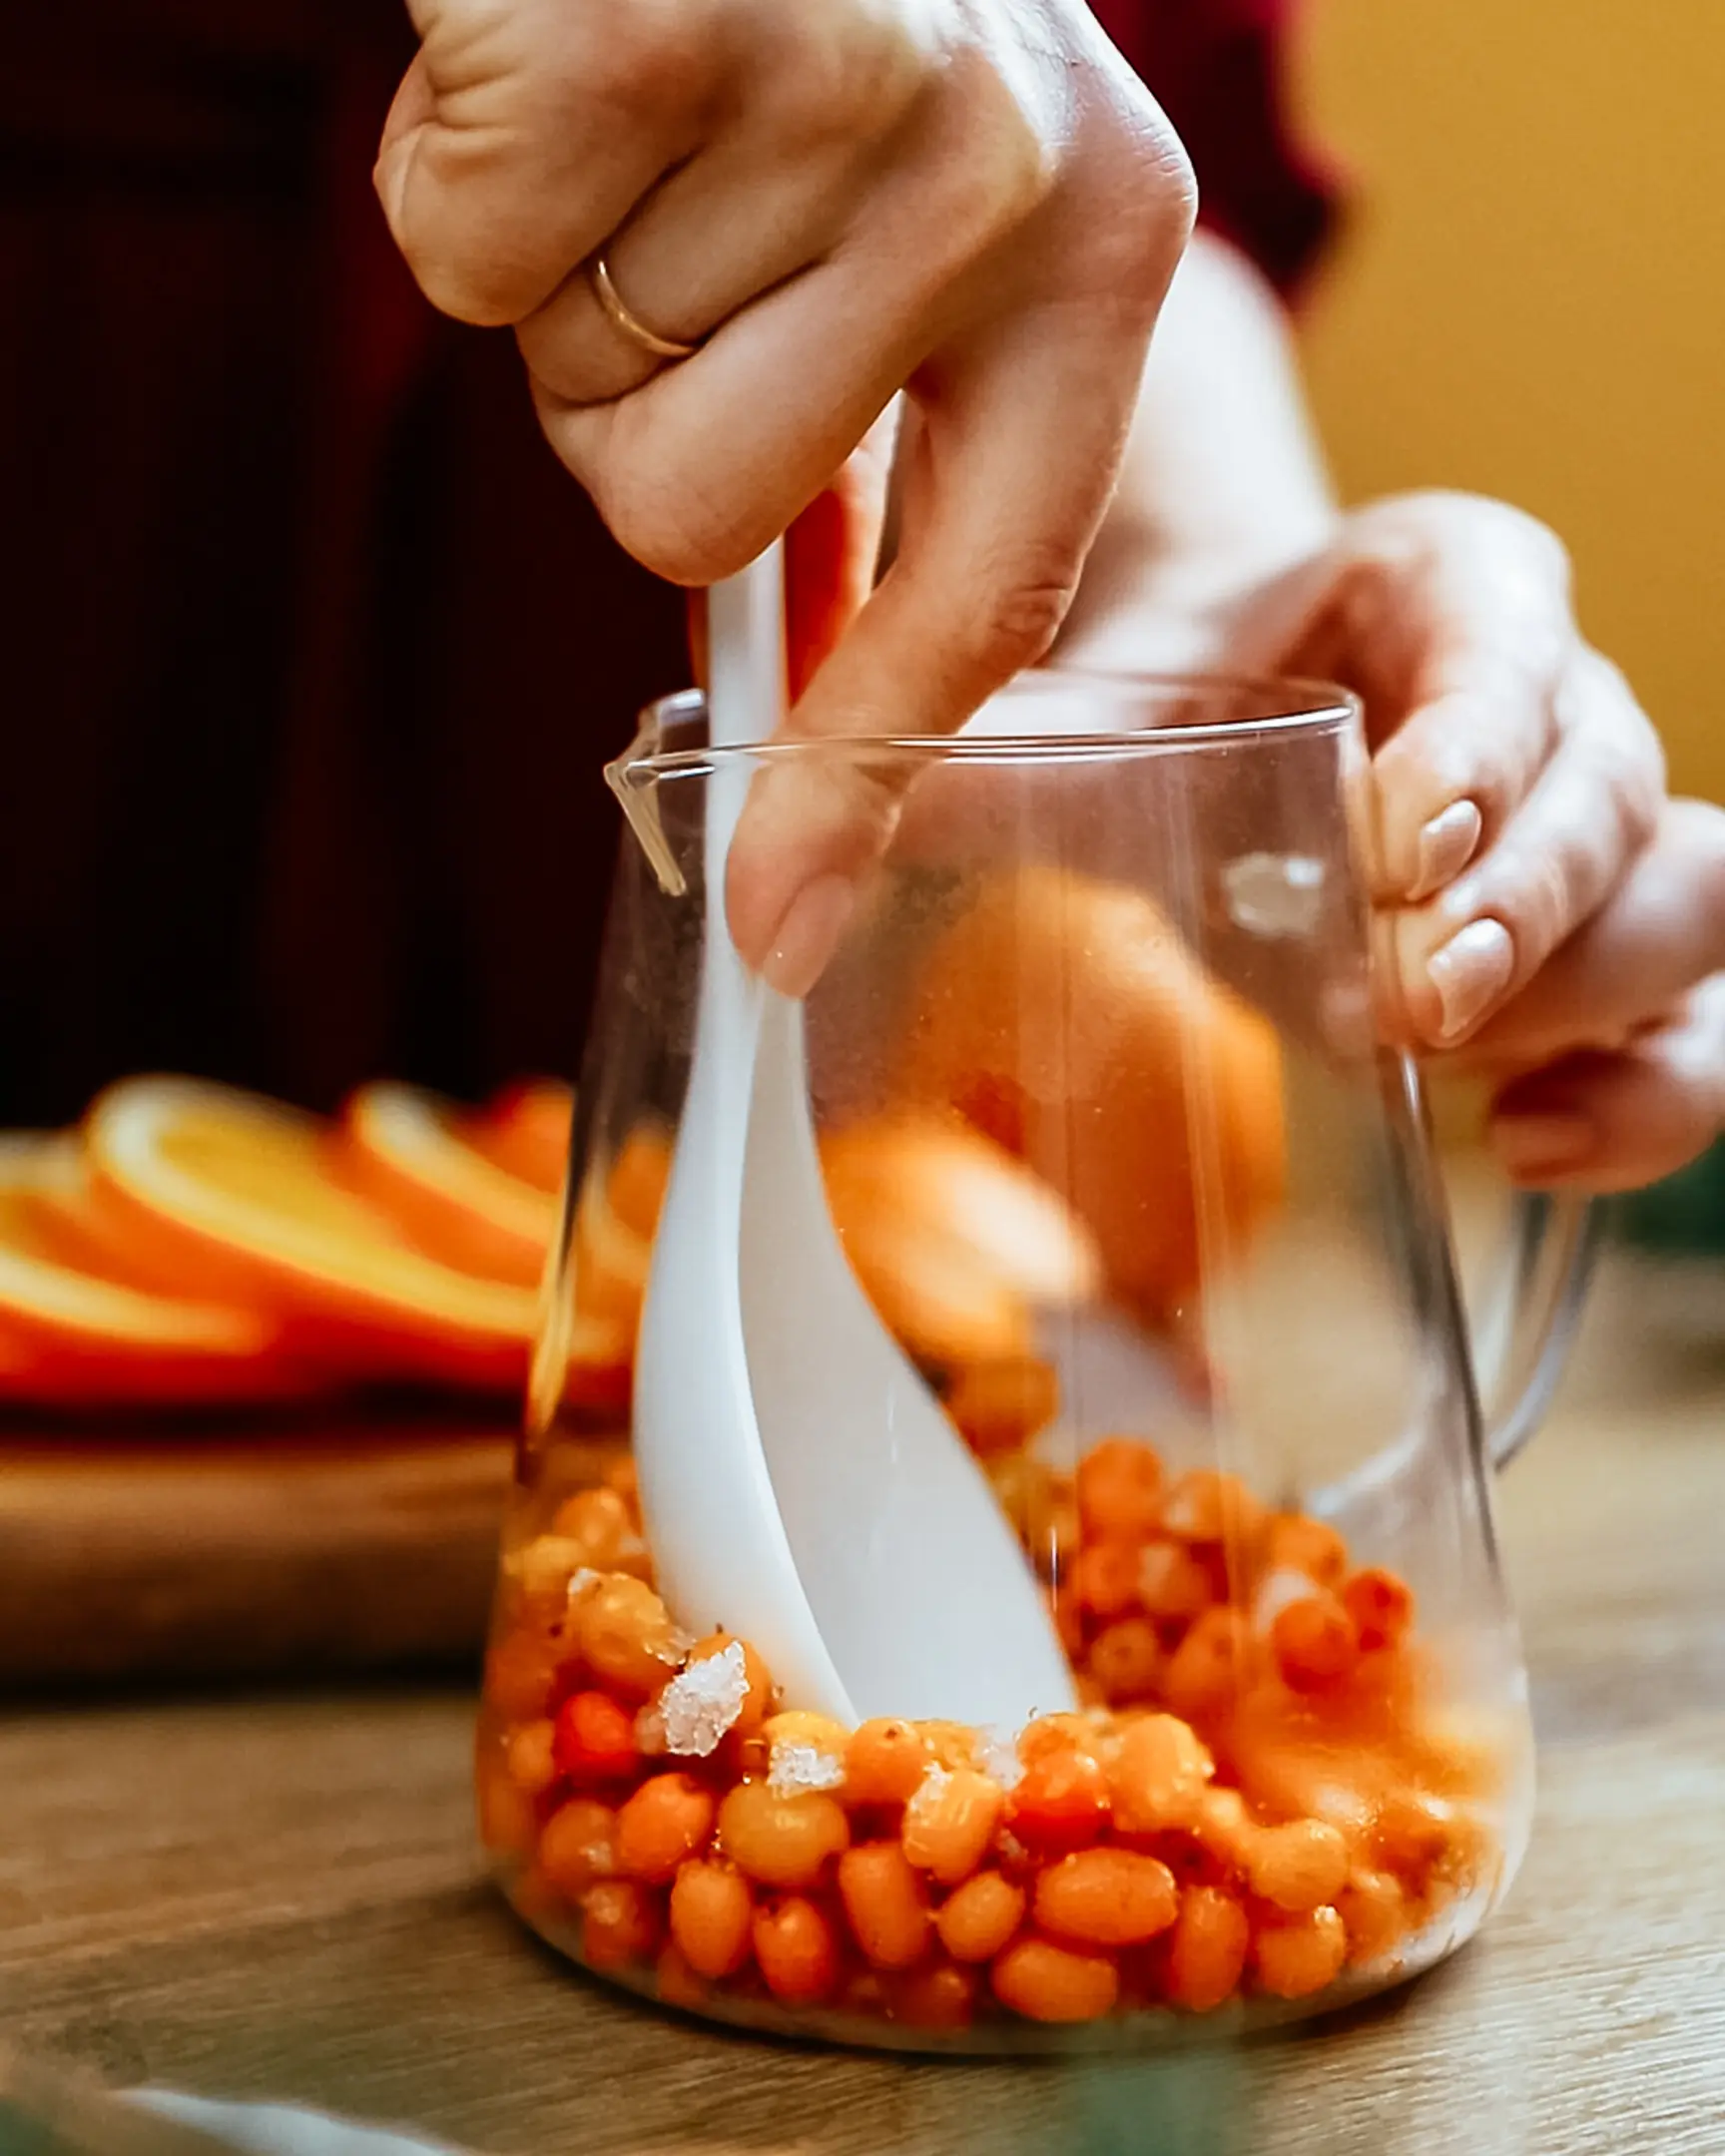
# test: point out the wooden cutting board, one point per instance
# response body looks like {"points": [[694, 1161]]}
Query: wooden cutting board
{"points": [[246, 1551]]}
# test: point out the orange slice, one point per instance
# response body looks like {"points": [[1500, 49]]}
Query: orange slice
{"points": [[525, 1131], [71, 1337], [407, 1150], [216, 1190], [1067, 1018]]}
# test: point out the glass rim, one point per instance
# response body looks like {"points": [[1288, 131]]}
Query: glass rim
{"points": [[1314, 704]]}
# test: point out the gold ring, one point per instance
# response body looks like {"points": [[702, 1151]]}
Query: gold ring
{"points": [[631, 325]]}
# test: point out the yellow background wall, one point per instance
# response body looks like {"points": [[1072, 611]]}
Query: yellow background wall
{"points": [[1530, 299]]}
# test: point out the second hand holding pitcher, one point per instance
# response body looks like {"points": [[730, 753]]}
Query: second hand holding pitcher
{"points": [[799, 1485]]}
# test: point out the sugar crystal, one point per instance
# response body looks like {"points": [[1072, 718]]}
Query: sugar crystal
{"points": [[795, 1768], [702, 1706]]}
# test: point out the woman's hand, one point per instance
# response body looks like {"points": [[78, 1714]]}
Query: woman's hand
{"points": [[973, 202], [1546, 914]]}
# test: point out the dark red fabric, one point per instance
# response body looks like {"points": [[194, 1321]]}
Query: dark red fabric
{"points": [[313, 652]]}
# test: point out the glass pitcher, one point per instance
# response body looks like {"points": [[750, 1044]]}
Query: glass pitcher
{"points": [[1113, 1145]]}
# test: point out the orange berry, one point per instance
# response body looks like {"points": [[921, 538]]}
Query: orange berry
{"points": [[712, 1911], [1293, 1542], [507, 1821], [1104, 1579], [1158, 1774], [885, 1763], [529, 1753], [1313, 1643], [620, 1925], [950, 1822], [1298, 1956], [1206, 1950], [1126, 1660], [1172, 1583], [781, 1841], [941, 1997], [1052, 1735], [1119, 1491], [1223, 1828], [597, 1521], [886, 1904], [1375, 1912], [1381, 1607], [676, 1983], [1206, 1506], [978, 1918], [626, 1635], [521, 1672], [1000, 1405], [593, 1740], [758, 1695], [1045, 1982], [1297, 1866], [1060, 1802], [1207, 1669], [578, 1846], [797, 1951], [1107, 1898], [666, 1821], [1413, 1832]]}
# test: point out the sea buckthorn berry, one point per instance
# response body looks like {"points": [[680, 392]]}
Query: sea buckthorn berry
{"points": [[1119, 1491], [1207, 1506], [1126, 1661], [1413, 1832], [1022, 1486], [978, 1918], [1293, 1542], [1002, 1404], [1060, 1802], [886, 1904], [677, 1984], [1206, 1951], [1172, 1583], [951, 1744], [885, 1763], [529, 1753], [620, 1925], [1299, 1866], [667, 1820], [711, 1912], [950, 1820], [1104, 1579], [1158, 1774], [758, 1680], [621, 1477], [805, 1752], [578, 1846], [1223, 1828], [1381, 1607], [545, 1570], [1375, 1912], [797, 1951], [1209, 1669], [597, 1522], [1298, 1956], [1051, 1736], [593, 1740], [521, 1673], [626, 1635], [507, 1821], [781, 1841], [1107, 1898], [1313, 1643], [1045, 1982], [941, 1997]]}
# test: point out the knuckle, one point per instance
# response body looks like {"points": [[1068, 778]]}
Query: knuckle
{"points": [[670, 523], [1021, 611]]}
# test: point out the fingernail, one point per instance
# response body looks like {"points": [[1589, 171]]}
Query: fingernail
{"points": [[1447, 845], [1468, 973], [1532, 1146], [809, 934]]}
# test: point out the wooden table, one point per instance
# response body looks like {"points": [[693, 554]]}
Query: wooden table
{"points": [[278, 1895]]}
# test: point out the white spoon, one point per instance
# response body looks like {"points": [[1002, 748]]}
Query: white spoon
{"points": [[799, 1485]]}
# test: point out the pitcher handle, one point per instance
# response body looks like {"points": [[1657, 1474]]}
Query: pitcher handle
{"points": [[1524, 1335]]}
